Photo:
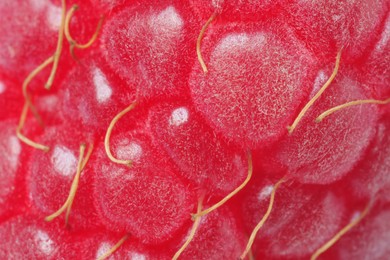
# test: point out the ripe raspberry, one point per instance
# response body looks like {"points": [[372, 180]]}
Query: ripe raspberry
{"points": [[194, 129]]}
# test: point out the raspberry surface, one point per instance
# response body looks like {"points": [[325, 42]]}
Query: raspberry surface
{"points": [[194, 129]]}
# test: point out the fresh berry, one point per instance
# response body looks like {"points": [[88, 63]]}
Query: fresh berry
{"points": [[194, 129]]}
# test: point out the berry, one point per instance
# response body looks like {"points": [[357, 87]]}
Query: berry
{"points": [[237, 100], [215, 170], [194, 129], [324, 152]]}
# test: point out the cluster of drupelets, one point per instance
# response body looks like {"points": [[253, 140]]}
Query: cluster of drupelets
{"points": [[85, 153]]}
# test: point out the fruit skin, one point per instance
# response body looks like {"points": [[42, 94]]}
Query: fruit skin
{"points": [[146, 53], [237, 100], [217, 169], [330, 143]]}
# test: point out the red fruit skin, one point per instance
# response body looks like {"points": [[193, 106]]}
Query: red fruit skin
{"points": [[11, 169], [235, 10], [295, 208], [147, 47], [237, 100], [218, 236], [328, 26], [28, 237], [91, 245], [375, 70], [324, 152], [147, 200], [107, 7], [28, 38], [370, 180], [11, 98], [367, 240], [218, 167], [28, 34], [266, 59], [91, 95], [51, 174], [83, 25]]}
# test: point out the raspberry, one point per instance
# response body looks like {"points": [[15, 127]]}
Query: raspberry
{"points": [[10, 96], [371, 233], [221, 236], [370, 178], [89, 95], [376, 65], [326, 26], [25, 236], [28, 33], [330, 141], [147, 48], [236, 100], [50, 177], [191, 129], [211, 169], [128, 198], [10, 150]]}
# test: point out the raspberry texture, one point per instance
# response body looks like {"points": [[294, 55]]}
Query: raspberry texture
{"points": [[218, 129]]}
